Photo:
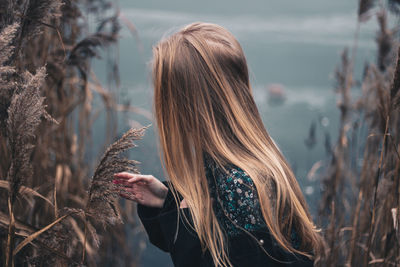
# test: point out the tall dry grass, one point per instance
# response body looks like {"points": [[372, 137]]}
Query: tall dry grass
{"points": [[51, 213], [360, 205]]}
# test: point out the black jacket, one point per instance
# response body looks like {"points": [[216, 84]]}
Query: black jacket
{"points": [[185, 249]]}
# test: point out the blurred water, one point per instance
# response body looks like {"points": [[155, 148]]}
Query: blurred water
{"points": [[296, 44]]}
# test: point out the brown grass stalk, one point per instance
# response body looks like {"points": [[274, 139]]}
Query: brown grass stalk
{"points": [[372, 225], [36, 234], [52, 157], [10, 236], [372, 240]]}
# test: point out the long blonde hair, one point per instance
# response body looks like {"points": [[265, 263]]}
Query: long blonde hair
{"points": [[203, 103]]}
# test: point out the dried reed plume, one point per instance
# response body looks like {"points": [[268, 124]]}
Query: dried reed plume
{"points": [[24, 116], [102, 205], [38, 13], [6, 86], [360, 204], [102, 193], [363, 9], [43, 170]]}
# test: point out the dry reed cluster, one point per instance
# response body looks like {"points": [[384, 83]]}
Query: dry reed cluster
{"points": [[360, 205], [51, 213]]}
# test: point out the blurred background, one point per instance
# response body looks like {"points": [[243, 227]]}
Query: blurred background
{"points": [[292, 50]]}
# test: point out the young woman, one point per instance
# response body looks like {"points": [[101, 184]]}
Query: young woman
{"points": [[231, 198]]}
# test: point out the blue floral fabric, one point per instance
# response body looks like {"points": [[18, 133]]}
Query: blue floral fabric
{"points": [[236, 203]]}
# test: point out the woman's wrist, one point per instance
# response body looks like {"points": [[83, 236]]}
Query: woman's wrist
{"points": [[163, 196]]}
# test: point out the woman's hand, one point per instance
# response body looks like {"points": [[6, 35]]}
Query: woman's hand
{"points": [[145, 189]]}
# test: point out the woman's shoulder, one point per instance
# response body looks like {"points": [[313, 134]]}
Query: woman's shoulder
{"points": [[236, 203]]}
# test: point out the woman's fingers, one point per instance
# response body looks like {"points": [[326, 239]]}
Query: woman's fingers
{"points": [[131, 177], [128, 175], [122, 182], [127, 183], [124, 175], [133, 189], [126, 178], [139, 178]]}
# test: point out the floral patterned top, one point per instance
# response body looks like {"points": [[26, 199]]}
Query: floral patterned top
{"points": [[236, 203]]}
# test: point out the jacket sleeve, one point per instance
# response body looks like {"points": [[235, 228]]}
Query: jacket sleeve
{"points": [[155, 220]]}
